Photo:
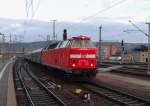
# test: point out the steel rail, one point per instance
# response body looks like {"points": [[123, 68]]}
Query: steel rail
{"points": [[25, 89], [117, 96], [46, 89], [127, 72]]}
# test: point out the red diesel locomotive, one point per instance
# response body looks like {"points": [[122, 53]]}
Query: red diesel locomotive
{"points": [[76, 56]]}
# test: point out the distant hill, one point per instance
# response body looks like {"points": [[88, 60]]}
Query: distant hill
{"points": [[41, 44], [20, 46]]}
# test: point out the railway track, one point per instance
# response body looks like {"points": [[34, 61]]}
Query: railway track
{"points": [[139, 69], [140, 74], [34, 92], [67, 88], [36, 95], [117, 96], [133, 71], [20, 92]]}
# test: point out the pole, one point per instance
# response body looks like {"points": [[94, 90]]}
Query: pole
{"points": [[3, 41], [148, 47], [100, 44], [122, 56], [54, 35], [10, 46]]}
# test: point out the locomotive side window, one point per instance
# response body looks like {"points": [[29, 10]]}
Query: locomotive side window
{"points": [[69, 43], [81, 43], [64, 44], [87, 43], [52, 46], [58, 46]]}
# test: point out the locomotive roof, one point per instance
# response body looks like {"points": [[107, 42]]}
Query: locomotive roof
{"points": [[35, 51], [39, 50], [51, 43], [81, 37]]}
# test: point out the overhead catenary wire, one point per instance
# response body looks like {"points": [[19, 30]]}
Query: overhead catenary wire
{"points": [[148, 35], [36, 8], [30, 12], [28, 5], [113, 4], [138, 28]]}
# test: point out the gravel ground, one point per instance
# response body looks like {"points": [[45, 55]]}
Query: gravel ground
{"points": [[134, 86]]}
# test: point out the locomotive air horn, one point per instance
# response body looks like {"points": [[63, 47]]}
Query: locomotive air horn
{"points": [[65, 34]]}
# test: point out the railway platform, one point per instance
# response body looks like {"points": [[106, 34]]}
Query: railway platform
{"points": [[7, 92]]}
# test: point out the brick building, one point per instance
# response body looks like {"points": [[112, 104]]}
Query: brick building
{"points": [[108, 49]]}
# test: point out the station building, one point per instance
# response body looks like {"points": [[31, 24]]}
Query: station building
{"points": [[136, 57]]}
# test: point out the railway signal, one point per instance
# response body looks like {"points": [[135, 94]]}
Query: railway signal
{"points": [[122, 45]]}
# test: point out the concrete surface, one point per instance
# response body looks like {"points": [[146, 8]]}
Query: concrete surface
{"points": [[109, 68], [11, 97], [6, 85]]}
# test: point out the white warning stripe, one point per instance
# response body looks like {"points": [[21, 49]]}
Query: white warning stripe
{"points": [[3, 70], [82, 56], [91, 56], [75, 56]]}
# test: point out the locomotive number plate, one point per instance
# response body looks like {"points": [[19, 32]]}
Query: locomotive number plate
{"points": [[83, 62]]}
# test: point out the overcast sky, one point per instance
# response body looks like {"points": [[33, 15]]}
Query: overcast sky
{"points": [[74, 10], [80, 11]]}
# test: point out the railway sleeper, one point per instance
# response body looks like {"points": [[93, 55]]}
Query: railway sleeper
{"points": [[126, 100], [134, 102], [140, 104], [112, 96], [122, 97]]}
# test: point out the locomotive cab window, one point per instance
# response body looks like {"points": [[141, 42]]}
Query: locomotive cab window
{"points": [[81, 43]]}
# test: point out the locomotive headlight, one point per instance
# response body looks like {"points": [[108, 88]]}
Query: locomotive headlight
{"points": [[73, 65], [91, 65]]}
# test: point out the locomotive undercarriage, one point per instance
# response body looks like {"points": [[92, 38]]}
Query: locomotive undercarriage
{"points": [[75, 74]]}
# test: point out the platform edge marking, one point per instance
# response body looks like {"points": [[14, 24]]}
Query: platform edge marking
{"points": [[3, 70]]}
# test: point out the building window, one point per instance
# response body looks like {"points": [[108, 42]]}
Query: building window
{"points": [[146, 60]]}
